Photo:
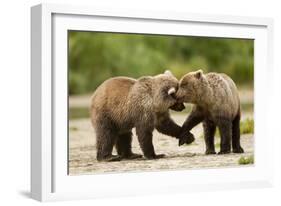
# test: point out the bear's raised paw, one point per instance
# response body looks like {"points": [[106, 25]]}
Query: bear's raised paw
{"points": [[186, 138]]}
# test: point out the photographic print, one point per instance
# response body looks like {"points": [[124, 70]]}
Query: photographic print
{"points": [[143, 102]]}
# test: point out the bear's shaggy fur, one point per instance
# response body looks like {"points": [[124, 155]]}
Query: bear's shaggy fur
{"points": [[216, 103], [120, 104]]}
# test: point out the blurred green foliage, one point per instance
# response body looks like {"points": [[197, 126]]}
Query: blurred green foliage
{"points": [[246, 160], [247, 126], [97, 56]]}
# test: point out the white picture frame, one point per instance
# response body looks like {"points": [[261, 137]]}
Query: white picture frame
{"points": [[49, 25]]}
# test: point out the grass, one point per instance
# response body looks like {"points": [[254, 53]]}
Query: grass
{"points": [[247, 106], [217, 145], [247, 126], [246, 160], [217, 133]]}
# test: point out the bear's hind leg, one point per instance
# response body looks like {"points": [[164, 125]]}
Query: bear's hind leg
{"points": [[225, 128], [124, 146], [236, 147], [209, 135], [106, 139]]}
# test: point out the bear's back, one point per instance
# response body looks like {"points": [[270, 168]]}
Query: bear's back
{"points": [[225, 94], [111, 96]]}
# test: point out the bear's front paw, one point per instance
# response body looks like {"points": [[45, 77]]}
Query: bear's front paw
{"points": [[186, 138]]}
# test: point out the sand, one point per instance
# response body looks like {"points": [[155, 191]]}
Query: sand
{"points": [[82, 152]]}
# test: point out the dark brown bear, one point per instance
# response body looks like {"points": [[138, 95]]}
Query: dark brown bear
{"points": [[121, 103], [216, 103]]}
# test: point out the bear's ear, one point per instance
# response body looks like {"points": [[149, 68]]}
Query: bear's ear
{"points": [[168, 72], [198, 74]]}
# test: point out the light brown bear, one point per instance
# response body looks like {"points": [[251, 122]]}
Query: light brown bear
{"points": [[120, 104], [216, 103]]}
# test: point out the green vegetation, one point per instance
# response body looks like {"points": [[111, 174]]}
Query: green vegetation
{"points": [[217, 133], [247, 126], [218, 145], [246, 160], [247, 106], [96, 56]]}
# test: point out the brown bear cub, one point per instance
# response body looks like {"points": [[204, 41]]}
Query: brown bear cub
{"points": [[120, 104], [216, 103]]}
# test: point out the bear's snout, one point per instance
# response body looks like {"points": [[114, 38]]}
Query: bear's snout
{"points": [[179, 106]]}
